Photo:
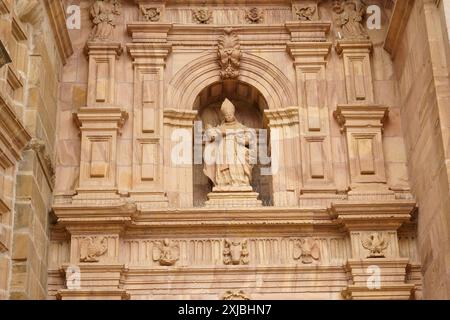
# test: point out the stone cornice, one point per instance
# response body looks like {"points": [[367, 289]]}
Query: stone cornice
{"points": [[389, 215], [179, 118], [353, 115], [354, 46], [399, 19], [100, 118], [282, 117], [103, 48], [57, 17], [308, 30], [13, 135]]}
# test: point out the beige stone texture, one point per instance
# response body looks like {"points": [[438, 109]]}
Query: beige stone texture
{"points": [[93, 205]]}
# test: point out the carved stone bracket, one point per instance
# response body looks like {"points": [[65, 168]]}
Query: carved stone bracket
{"points": [[38, 146]]}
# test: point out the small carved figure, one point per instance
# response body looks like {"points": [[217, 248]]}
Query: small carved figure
{"points": [[202, 16], [307, 250], [229, 54], [305, 13], [166, 252], [91, 248], [103, 13], [235, 252], [254, 15], [152, 14], [376, 244], [348, 19]]}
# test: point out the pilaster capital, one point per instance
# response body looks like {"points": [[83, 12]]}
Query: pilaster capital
{"points": [[100, 118], [179, 118], [362, 116], [354, 46], [103, 48]]}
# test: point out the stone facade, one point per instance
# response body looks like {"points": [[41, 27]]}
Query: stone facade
{"points": [[93, 205], [37, 43]]}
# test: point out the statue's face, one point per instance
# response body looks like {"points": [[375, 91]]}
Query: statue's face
{"points": [[228, 115]]}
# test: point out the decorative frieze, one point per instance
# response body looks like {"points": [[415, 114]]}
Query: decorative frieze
{"points": [[91, 248], [306, 250], [235, 252], [202, 16], [254, 15], [166, 252]]}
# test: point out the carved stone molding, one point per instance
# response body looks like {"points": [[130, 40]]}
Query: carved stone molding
{"points": [[91, 248], [39, 147], [235, 252], [5, 58], [397, 25], [56, 13], [13, 135], [5, 7], [229, 54]]}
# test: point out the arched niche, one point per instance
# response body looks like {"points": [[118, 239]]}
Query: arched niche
{"points": [[250, 105]]}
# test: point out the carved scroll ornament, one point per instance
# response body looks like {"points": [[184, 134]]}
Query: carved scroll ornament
{"points": [[229, 54]]}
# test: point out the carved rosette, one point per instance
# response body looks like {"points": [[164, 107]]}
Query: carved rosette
{"points": [[202, 16], [229, 54], [254, 15], [235, 252], [376, 243], [91, 248], [150, 13], [306, 250]]}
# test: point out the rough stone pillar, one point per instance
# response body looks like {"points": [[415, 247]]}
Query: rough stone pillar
{"points": [[149, 51]]}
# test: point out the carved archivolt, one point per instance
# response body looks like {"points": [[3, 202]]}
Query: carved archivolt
{"points": [[306, 250], [91, 248], [166, 252], [229, 54], [376, 244], [260, 73], [235, 252]]}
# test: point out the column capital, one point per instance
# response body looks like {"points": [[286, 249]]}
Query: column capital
{"points": [[308, 31], [354, 46], [103, 48]]}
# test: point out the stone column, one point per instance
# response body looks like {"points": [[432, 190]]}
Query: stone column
{"points": [[309, 50], [285, 149], [149, 51], [375, 268], [362, 121]]}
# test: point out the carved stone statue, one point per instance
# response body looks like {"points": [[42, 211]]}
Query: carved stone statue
{"points": [[229, 54], [376, 244], [228, 160], [166, 253], [306, 250], [235, 252], [348, 19], [103, 13], [91, 248]]}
